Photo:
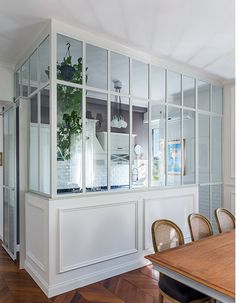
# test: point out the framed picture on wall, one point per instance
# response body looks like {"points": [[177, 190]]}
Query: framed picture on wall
{"points": [[174, 157]]}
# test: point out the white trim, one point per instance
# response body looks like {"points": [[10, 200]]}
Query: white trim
{"points": [[37, 277], [104, 41], [103, 258], [94, 277]]}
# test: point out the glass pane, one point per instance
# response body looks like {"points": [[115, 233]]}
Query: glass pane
{"points": [[6, 194], [203, 95], [34, 145], [18, 83], [44, 61], [217, 99], [120, 72], [96, 64], [140, 143], [174, 88], [44, 142], [189, 147], [174, 147], [11, 220], [158, 118], [188, 91], [217, 198], [25, 79], [96, 141], [69, 139], [204, 148], [204, 201], [158, 83], [34, 71], [216, 156], [11, 167], [140, 79], [69, 59], [119, 142]]}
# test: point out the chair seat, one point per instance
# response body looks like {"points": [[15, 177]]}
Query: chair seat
{"points": [[179, 291]]}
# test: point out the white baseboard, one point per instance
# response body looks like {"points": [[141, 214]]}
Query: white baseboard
{"points": [[57, 289], [94, 277], [36, 277]]}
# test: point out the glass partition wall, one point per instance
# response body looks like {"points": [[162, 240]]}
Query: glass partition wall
{"points": [[118, 123]]}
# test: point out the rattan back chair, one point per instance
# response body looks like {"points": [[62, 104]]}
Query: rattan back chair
{"points": [[225, 220], [166, 235], [200, 227]]}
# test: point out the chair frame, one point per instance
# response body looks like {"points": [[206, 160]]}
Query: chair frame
{"points": [[217, 218], [169, 223], [191, 216], [162, 294]]}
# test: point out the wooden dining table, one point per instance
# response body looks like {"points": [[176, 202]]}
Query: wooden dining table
{"points": [[207, 265]]}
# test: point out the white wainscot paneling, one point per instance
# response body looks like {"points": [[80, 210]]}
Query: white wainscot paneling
{"points": [[232, 202], [174, 208], [36, 229], [93, 234]]}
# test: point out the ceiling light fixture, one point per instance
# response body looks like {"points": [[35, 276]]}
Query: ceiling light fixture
{"points": [[118, 120]]}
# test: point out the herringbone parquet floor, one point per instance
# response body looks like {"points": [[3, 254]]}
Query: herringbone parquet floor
{"points": [[137, 286]]}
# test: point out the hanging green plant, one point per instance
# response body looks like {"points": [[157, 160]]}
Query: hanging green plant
{"points": [[69, 105], [71, 127]]}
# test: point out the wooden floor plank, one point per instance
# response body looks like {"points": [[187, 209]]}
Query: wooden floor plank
{"points": [[137, 286]]}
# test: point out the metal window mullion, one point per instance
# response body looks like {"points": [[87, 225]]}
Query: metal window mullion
{"points": [[53, 112], [181, 129], [196, 136], [109, 122], [83, 119], [210, 156], [131, 158], [39, 139], [149, 130], [131, 121], [166, 130]]}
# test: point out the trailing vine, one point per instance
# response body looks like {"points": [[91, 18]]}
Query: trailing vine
{"points": [[69, 105]]}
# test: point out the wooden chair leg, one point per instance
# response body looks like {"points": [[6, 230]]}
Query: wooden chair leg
{"points": [[161, 298]]}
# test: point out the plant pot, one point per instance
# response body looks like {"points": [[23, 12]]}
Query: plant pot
{"points": [[67, 72]]}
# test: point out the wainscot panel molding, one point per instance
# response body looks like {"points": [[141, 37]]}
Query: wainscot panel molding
{"points": [[101, 233], [95, 237]]}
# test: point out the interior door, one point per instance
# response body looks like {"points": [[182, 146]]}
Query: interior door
{"points": [[9, 182]]}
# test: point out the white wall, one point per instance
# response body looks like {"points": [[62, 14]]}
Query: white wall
{"points": [[229, 147], [6, 94]]}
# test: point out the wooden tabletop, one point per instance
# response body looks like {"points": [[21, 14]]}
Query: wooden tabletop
{"points": [[210, 261]]}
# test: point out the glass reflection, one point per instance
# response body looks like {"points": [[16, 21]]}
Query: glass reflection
{"points": [[140, 79], [174, 147], [204, 148], [174, 88], [217, 99], [96, 141], [189, 151], [119, 138], [96, 64], [69, 139], [120, 71], [203, 95], [140, 143], [34, 71], [158, 144], [188, 91], [158, 83], [44, 61]]}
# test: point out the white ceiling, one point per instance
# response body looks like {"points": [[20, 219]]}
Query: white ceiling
{"points": [[199, 33]]}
